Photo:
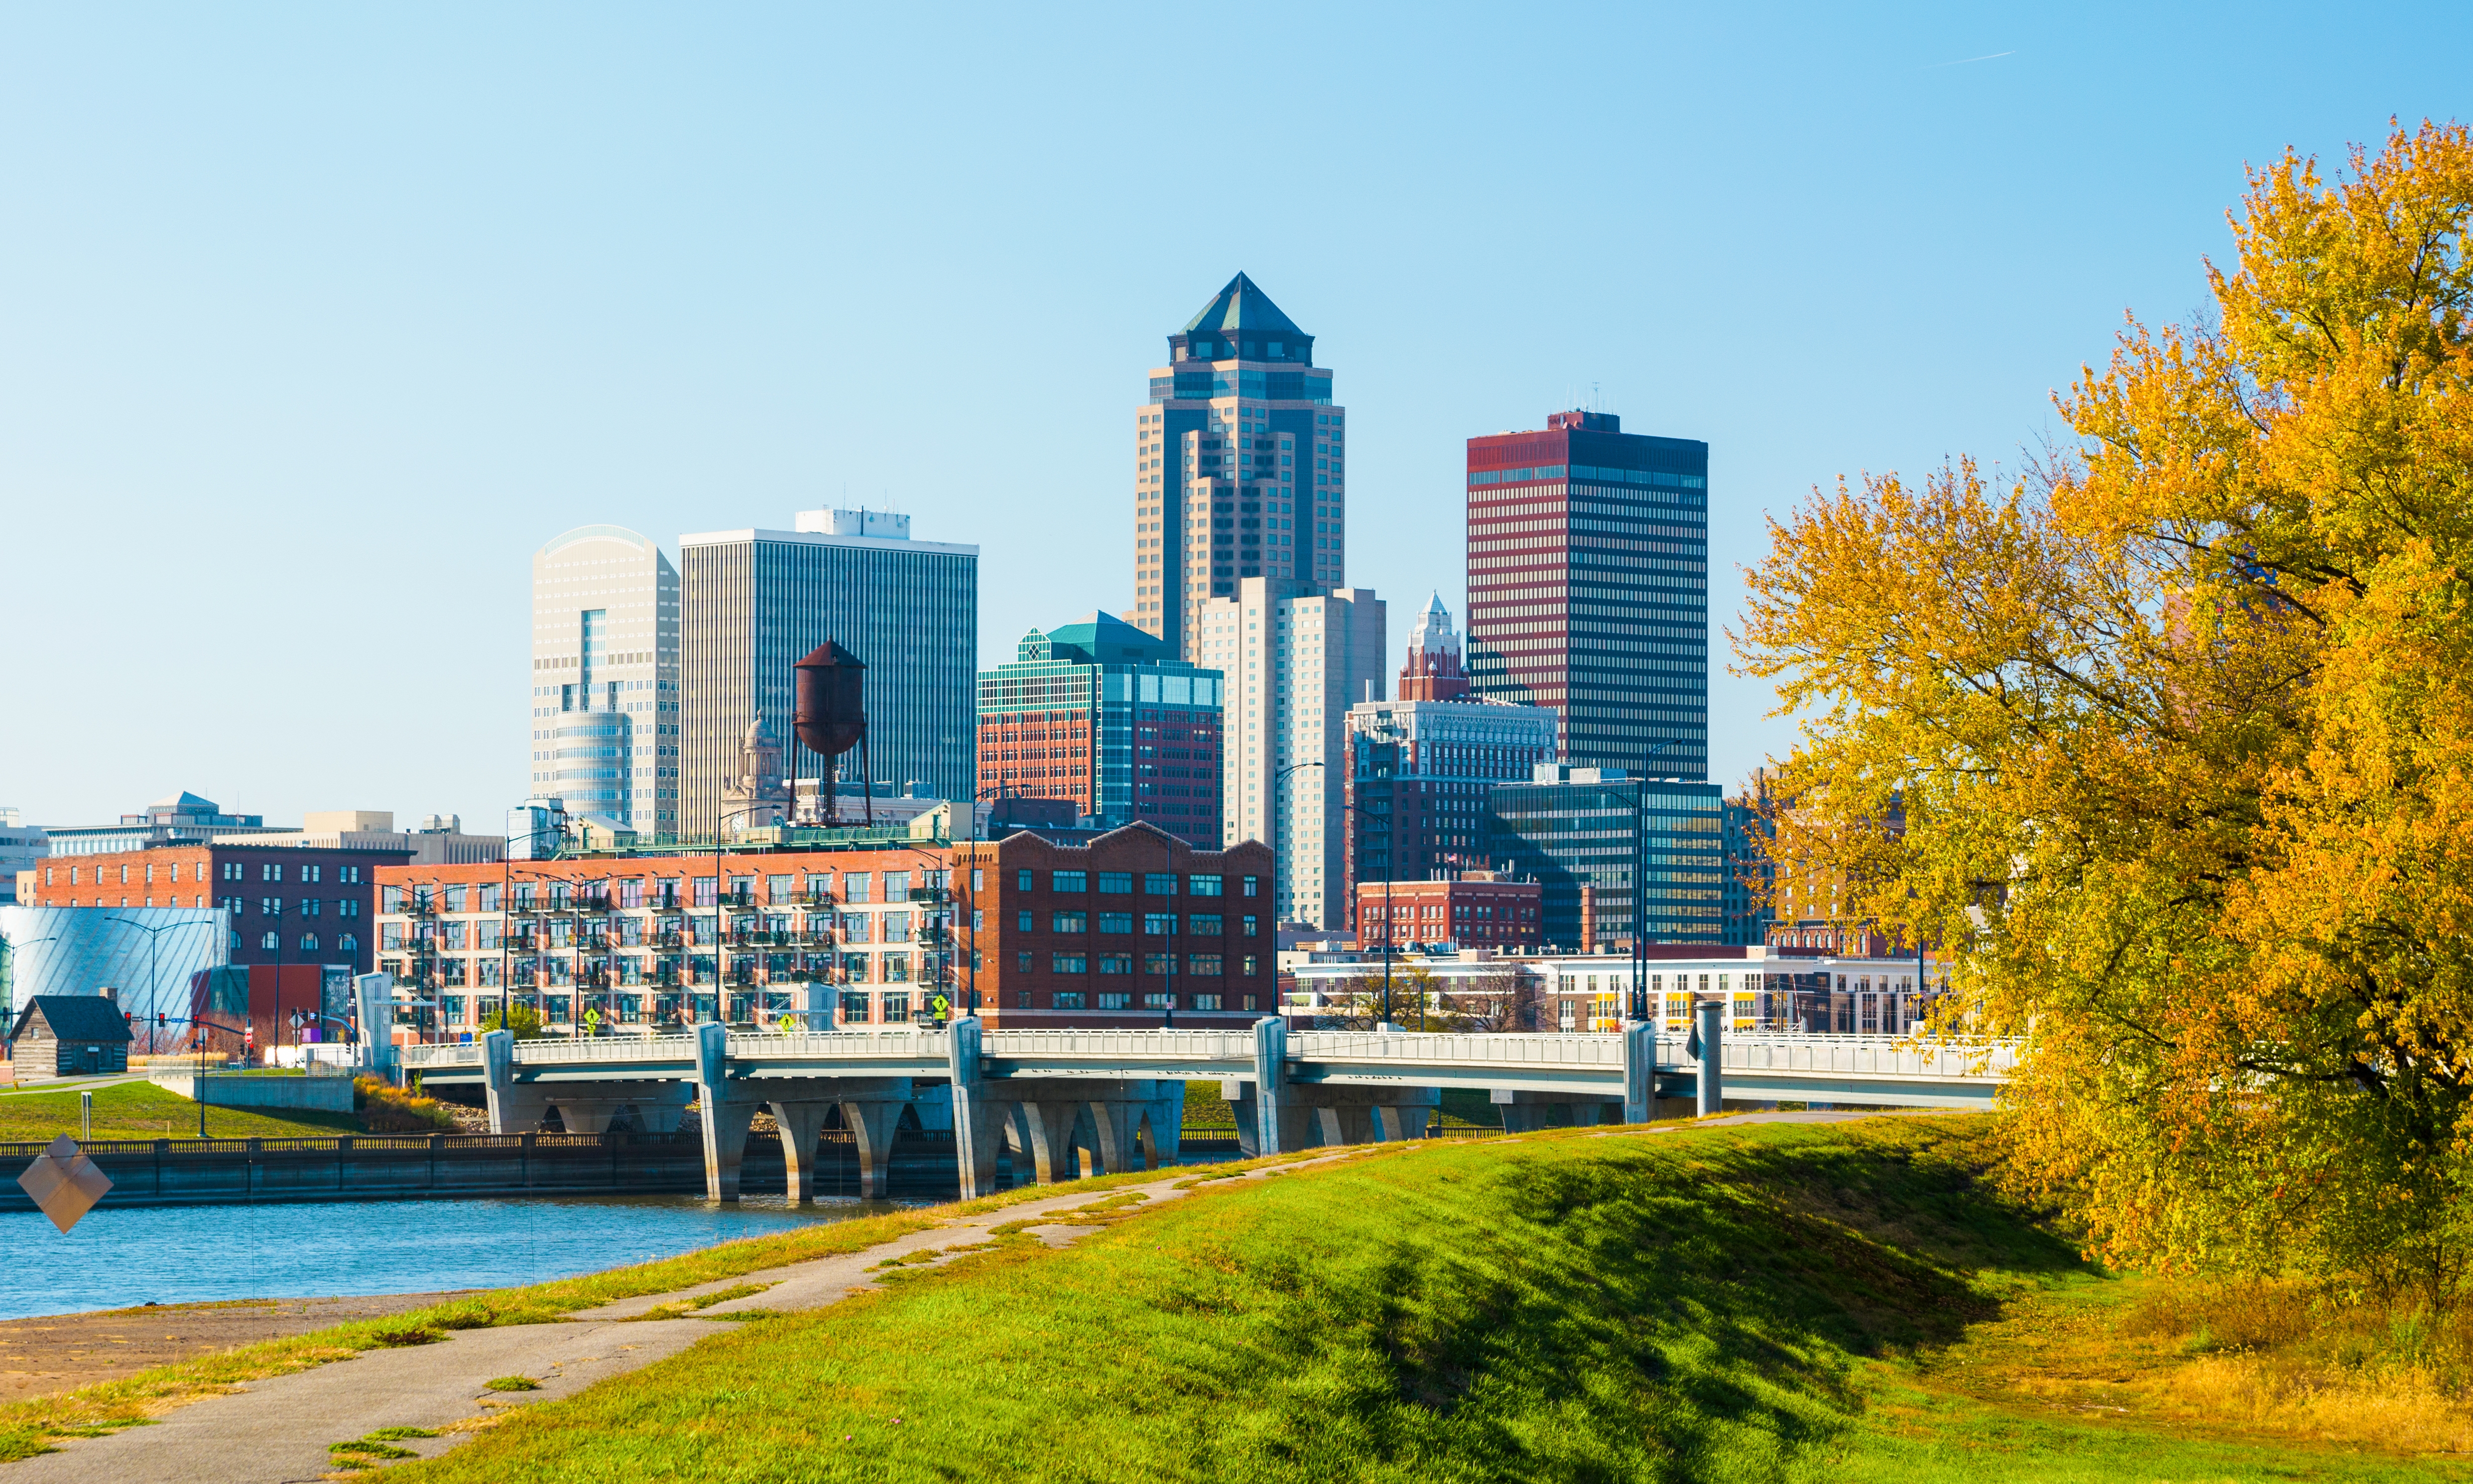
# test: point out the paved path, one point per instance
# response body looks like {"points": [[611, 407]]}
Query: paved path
{"points": [[276, 1431]]}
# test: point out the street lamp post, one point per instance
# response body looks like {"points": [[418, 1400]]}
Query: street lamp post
{"points": [[10, 949], [1639, 884], [720, 914], [1387, 1008], [154, 978]]}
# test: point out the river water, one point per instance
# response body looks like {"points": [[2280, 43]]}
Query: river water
{"points": [[175, 1254]]}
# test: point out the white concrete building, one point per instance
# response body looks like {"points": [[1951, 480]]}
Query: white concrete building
{"points": [[605, 702], [1294, 664], [1763, 990]]}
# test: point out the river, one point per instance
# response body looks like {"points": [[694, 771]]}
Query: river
{"points": [[117, 1259]]}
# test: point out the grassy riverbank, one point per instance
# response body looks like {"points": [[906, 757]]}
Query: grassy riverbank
{"points": [[1770, 1303], [141, 1110]]}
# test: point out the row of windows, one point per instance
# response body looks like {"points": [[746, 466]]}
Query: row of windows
{"points": [[273, 942], [1207, 924], [856, 888], [1116, 999], [1207, 966], [1120, 883], [308, 872]]}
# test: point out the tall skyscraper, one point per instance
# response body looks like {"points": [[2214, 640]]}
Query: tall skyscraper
{"points": [[1588, 588], [756, 601], [1101, 713], [1420, 767], [605, 722], [1239, 466], [1294, 663]]}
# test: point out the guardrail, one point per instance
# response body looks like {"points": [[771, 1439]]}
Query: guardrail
{"points": [[1869, 1056], [1516, 1049], [1592, 1051], [1144, 1045]]}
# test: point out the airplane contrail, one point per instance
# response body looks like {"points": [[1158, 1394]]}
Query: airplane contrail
{"points": [[1963, 60]]}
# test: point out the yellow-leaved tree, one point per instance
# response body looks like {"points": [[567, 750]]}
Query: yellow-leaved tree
{"points": [[2181, 726]]}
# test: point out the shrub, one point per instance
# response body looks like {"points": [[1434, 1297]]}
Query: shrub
{"points": [[390, 1109]]}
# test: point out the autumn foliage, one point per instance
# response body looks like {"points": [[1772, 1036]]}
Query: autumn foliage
{"points": [[2181, 724]]}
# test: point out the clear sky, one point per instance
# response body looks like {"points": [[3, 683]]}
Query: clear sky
{"points": [[316, 321]]}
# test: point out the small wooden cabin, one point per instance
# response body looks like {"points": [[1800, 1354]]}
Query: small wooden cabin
{"points": [[69, 1036]]}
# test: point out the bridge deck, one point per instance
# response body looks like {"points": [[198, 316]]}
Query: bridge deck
{"points": [[1868, 1070]]}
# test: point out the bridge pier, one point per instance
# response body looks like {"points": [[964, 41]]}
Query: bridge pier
{"points": [[873, 1122], [1166, 1122], [727, 1112], [1710, 1093], [1640, 1071], [980, 1118], [803, 1127], [1309, 1113], [1526, 1113], [1047, 1132], [514, 1108]]}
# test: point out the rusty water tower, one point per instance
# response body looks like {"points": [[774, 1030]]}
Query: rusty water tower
{"points": [[831, 718]]}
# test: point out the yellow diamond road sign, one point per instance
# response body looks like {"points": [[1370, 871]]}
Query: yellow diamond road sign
{"points": [[64, 1182]]}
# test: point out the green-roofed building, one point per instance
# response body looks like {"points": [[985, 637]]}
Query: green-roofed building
{"points": [[1101, 713]]}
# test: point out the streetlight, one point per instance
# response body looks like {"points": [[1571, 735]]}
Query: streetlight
{"points": [[506, 896], [1360, 811], [154, 980], [720, 914], [12, 950], [1639, 884]]}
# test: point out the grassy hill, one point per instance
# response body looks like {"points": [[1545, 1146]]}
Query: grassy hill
{"points": [[1785, 1303]]}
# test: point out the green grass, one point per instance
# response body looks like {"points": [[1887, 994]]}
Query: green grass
{"points": [[1729, 1304], [27, 1427], [141, 1110]]}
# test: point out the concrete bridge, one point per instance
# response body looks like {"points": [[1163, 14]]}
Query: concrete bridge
{"points": [[1118, 1097]]}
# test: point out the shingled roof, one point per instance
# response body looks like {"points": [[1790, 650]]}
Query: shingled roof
{"points": [[73, 1017]]}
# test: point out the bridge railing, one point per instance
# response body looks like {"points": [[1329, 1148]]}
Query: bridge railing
{"points": [[1861, 1056], [1130, 1045], [918, 1046], [1514, 1049], [606, 1049], [465, 1055]]}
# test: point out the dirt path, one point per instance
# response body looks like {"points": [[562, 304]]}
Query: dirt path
{"points": [[63, 1352], [276, 1431]]}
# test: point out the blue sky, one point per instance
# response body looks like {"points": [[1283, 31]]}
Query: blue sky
{"points": [[318, 321]]}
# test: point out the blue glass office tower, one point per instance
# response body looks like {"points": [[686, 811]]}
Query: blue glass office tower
{"points": [[1605, 847]]}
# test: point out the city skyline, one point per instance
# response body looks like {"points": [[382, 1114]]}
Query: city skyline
{"points": [[321, 389]]}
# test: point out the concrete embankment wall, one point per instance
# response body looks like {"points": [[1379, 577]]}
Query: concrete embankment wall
{"points": [[323, 1095], [396, 1167]]}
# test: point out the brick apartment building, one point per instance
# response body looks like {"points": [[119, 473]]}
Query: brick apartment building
{"points": [[289, 905], [1115, 932], [1478, 910], [1120, 932]]}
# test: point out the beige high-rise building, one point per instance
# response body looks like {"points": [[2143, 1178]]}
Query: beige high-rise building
{"points": [[1294, 662], [1240, 460], [604, 703]]}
